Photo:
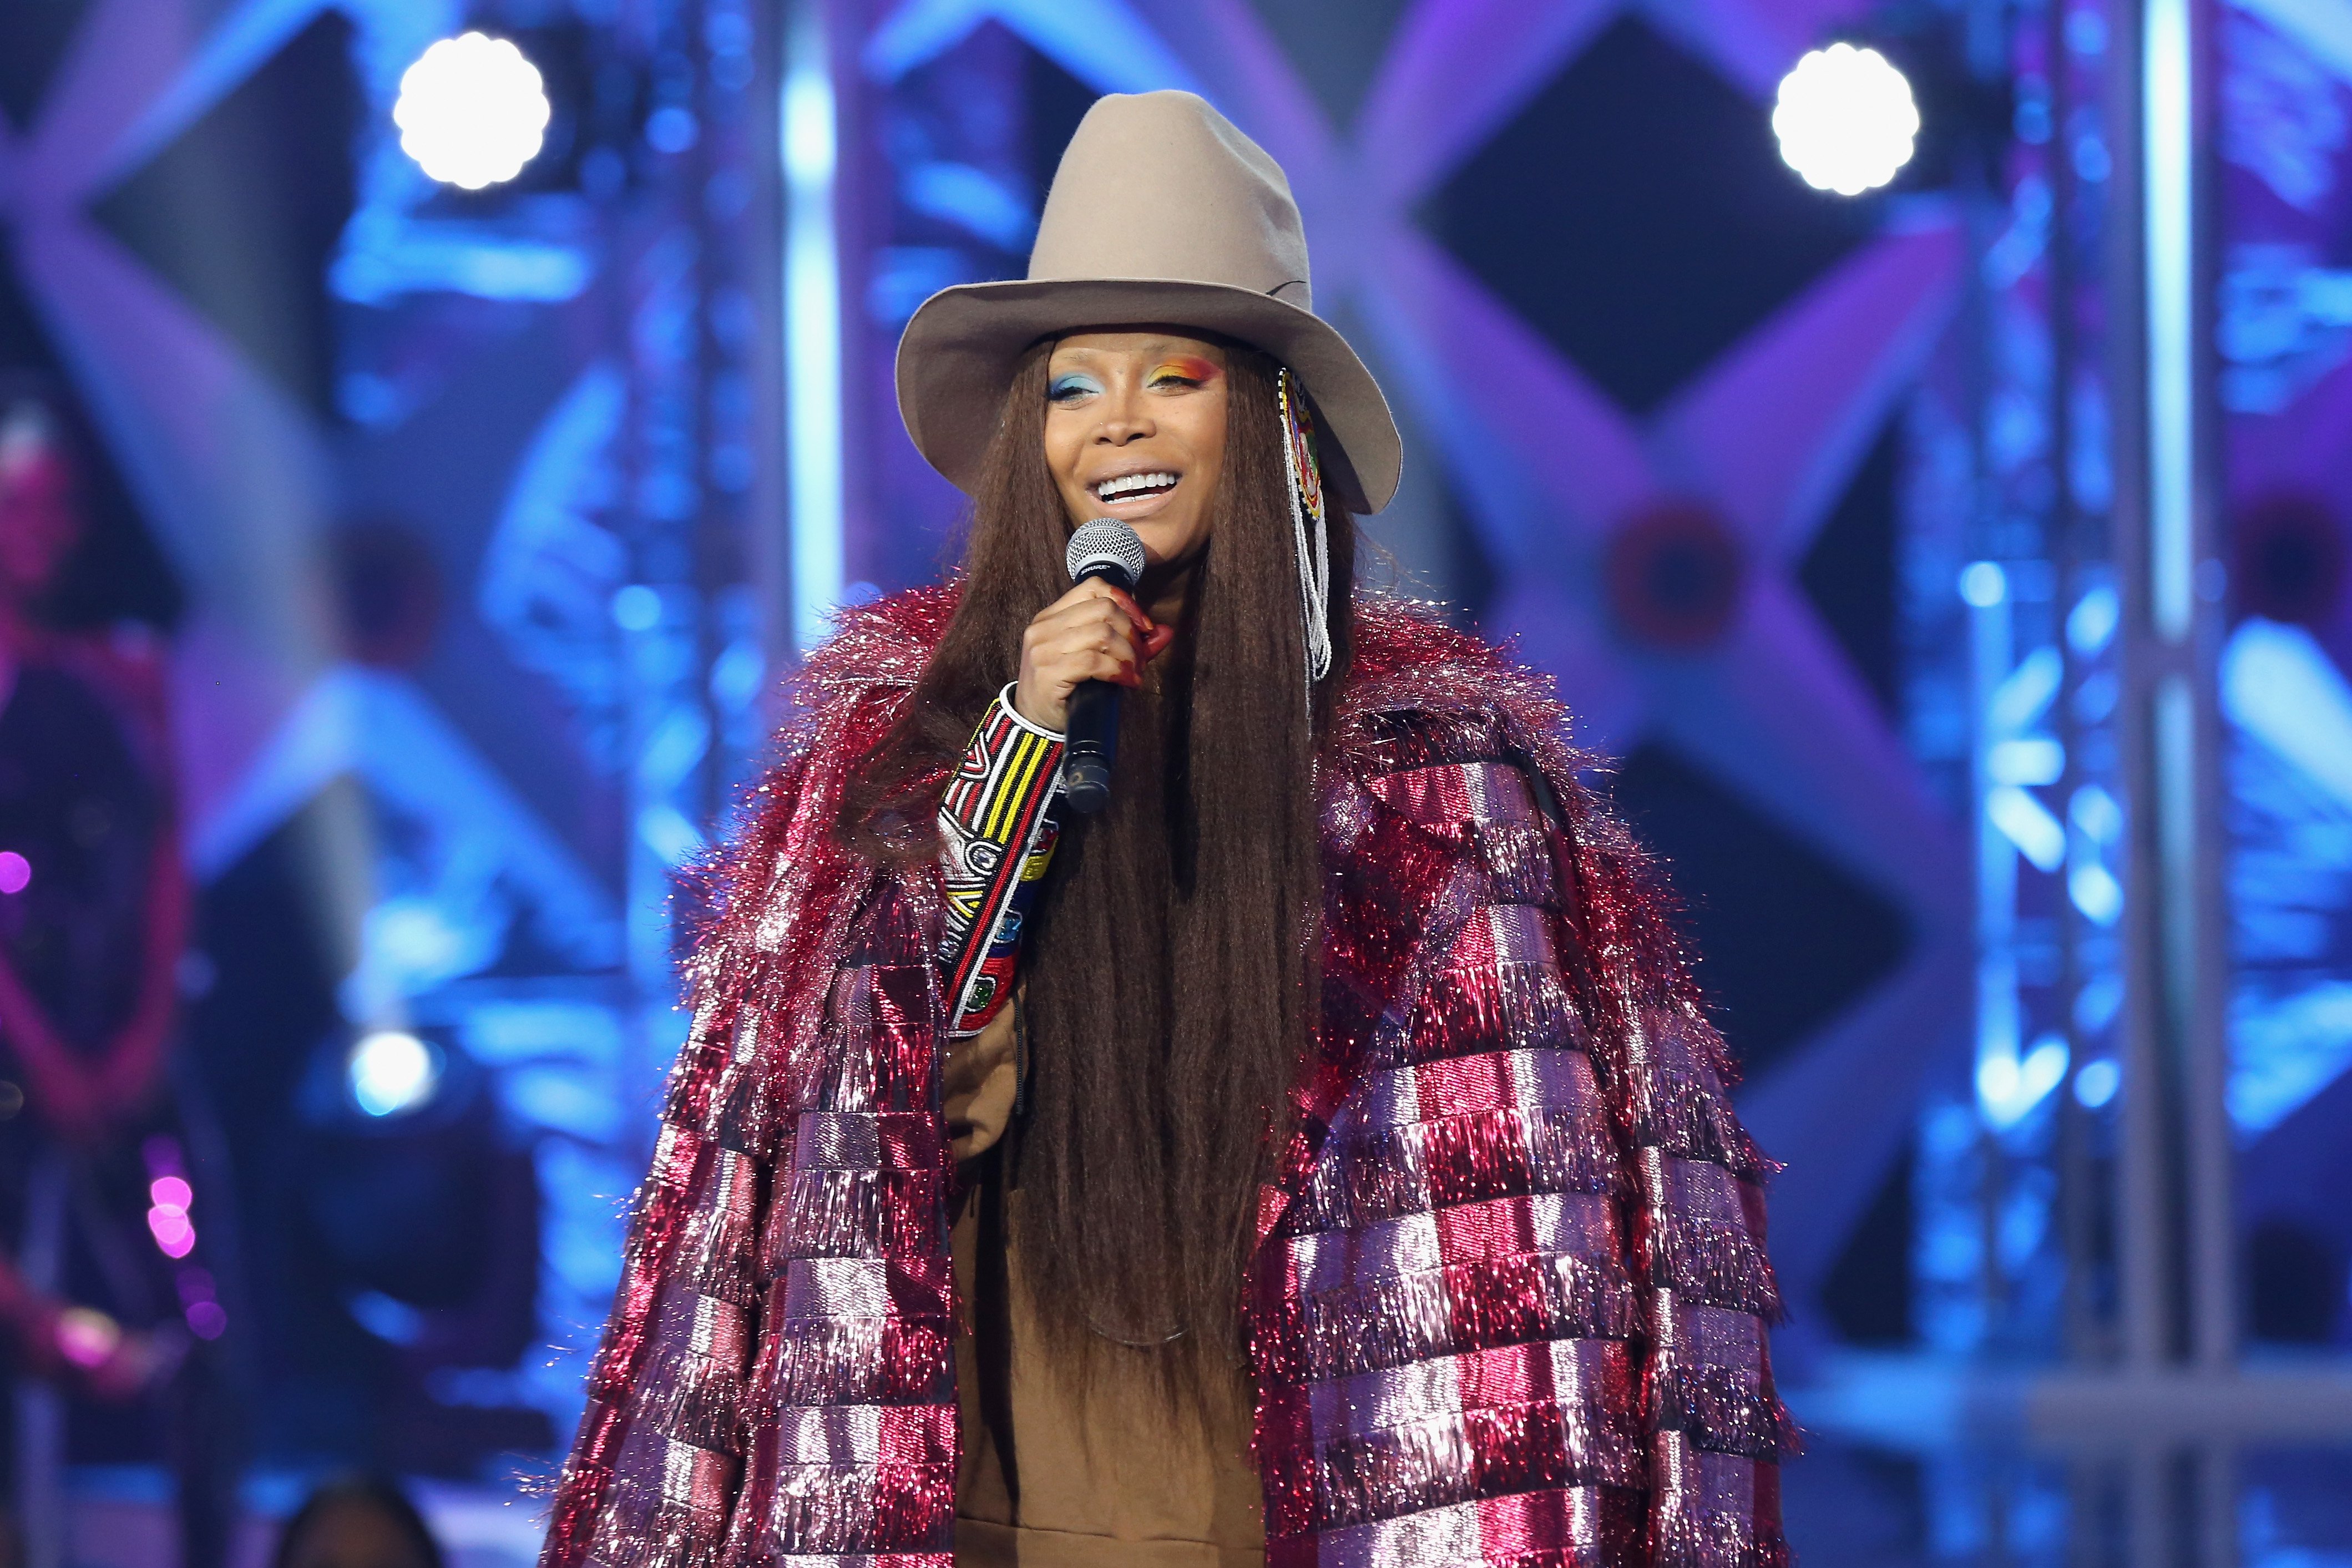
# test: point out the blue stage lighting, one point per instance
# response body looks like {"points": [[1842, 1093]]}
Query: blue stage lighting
{"points": [[2098, 1082]]}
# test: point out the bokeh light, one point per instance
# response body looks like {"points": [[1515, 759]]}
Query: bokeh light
{"points": [[16, 872], [174, 1234], [1845, 119], [472, 111], [392, 1071], [86, 1337]]}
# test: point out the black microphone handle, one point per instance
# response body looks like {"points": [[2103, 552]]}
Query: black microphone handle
{"points": [[1090, 746]]}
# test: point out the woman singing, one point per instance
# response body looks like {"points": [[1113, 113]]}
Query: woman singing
{"points": [[1316, 1156]]}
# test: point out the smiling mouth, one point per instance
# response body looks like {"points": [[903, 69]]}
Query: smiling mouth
{"points": [[1135, 486]]}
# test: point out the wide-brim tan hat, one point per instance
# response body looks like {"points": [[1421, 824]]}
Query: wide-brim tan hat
{"points": [[1161, 214]]}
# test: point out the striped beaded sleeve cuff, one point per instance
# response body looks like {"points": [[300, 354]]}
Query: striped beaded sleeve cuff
{"points": [[997, 832]]}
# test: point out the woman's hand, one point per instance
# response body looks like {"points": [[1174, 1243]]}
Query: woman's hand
{"points": [[1094, 632]]}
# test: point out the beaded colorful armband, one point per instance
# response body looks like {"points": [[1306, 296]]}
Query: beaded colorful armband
{"points": [[997, 832]]}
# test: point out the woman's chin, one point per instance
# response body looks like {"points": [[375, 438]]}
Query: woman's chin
{"points": [[1168, 541]]}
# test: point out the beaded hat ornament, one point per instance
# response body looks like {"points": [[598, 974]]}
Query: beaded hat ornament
{"points": [[1306, 518]]}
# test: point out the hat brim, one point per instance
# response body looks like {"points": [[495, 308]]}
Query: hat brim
{"points": [[961, 347]]}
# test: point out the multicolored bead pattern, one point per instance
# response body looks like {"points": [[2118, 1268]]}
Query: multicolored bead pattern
{"points": [[1510, 1298], [997, 832]]}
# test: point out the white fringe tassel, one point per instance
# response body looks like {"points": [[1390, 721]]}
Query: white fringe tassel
{"points": [[1314, 561]]}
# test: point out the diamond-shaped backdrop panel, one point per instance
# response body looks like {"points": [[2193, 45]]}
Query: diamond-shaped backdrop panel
{"points": [[1057, 101], [32, 37], [271, 159], [1336, 46], [1785, 939], [1867, 1293], [1849, 572], [1637, 214]]}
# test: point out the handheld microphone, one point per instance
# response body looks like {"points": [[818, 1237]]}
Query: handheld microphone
{"points": [[1109, 549]]}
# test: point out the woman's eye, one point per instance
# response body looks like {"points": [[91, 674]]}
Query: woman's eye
{"points": [[1186, 370], [1071, 388]]}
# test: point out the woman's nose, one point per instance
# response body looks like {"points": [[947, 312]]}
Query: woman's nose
{"points": [[1126, 425]]}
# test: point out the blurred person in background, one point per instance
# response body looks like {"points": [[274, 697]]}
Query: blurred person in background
{"points": [[359, 1522], [100, 1281]]}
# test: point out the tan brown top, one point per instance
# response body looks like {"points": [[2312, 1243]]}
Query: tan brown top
{"points": [[1054, 1477]]}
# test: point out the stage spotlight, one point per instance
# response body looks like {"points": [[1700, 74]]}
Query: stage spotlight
{"points": [[1845, 119], [472, 111], [392, 1071]]}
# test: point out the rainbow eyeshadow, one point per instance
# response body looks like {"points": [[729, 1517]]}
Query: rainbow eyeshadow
{"points": [[1072, 384], [1183, 367]]}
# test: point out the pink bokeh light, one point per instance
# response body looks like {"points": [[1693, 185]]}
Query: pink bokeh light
{"points": [[170, 1193], [86, 1338], [16, 872], [172, 1230]]}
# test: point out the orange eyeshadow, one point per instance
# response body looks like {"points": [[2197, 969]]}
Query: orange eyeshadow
{"points": [[1189, 366]]}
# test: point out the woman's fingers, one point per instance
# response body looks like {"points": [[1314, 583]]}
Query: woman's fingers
{"points": [[1092, 656], [1094, 632]]}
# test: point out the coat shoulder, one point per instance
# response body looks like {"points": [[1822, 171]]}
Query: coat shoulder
{"points": [[883, 643], [838, 705], [1421, 692]]}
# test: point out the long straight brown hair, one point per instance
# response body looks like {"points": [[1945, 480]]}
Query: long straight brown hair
{"points": [[1171, 962]]}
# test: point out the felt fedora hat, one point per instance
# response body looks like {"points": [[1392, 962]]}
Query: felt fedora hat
{"points": [[1161, 214]]}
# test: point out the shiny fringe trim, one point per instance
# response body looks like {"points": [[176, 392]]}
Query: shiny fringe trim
{"points": [[746, 1107], [1722, 1409], [1485, 1006], [1579, 1526], [1478, 1453], [1715, 1262], [695, 1399], [1453, 1159], [717, 1252], [768, 1558], [1687, 1538], [1689, 1117], [855, 1214], [682, 1394], [1517, 862], [854, 1361], [1429, 1312], [639, 1528], [889, 1071], [831, 1508]]}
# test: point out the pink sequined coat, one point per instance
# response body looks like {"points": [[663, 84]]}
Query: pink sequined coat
{"points": [[1509, 1301]]}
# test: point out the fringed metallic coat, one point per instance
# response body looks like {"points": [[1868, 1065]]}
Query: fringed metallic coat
{"points": [[1509, 1299]]}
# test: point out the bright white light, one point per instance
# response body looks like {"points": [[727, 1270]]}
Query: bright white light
{"points": [[472, 111], [1845, 119], [812, 428], [391, 1072]]}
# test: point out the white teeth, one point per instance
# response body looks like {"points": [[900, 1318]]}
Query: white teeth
{"points": [[1126, 484]]}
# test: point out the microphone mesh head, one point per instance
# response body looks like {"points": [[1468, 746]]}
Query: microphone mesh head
{"points": [[1106, 548]]}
